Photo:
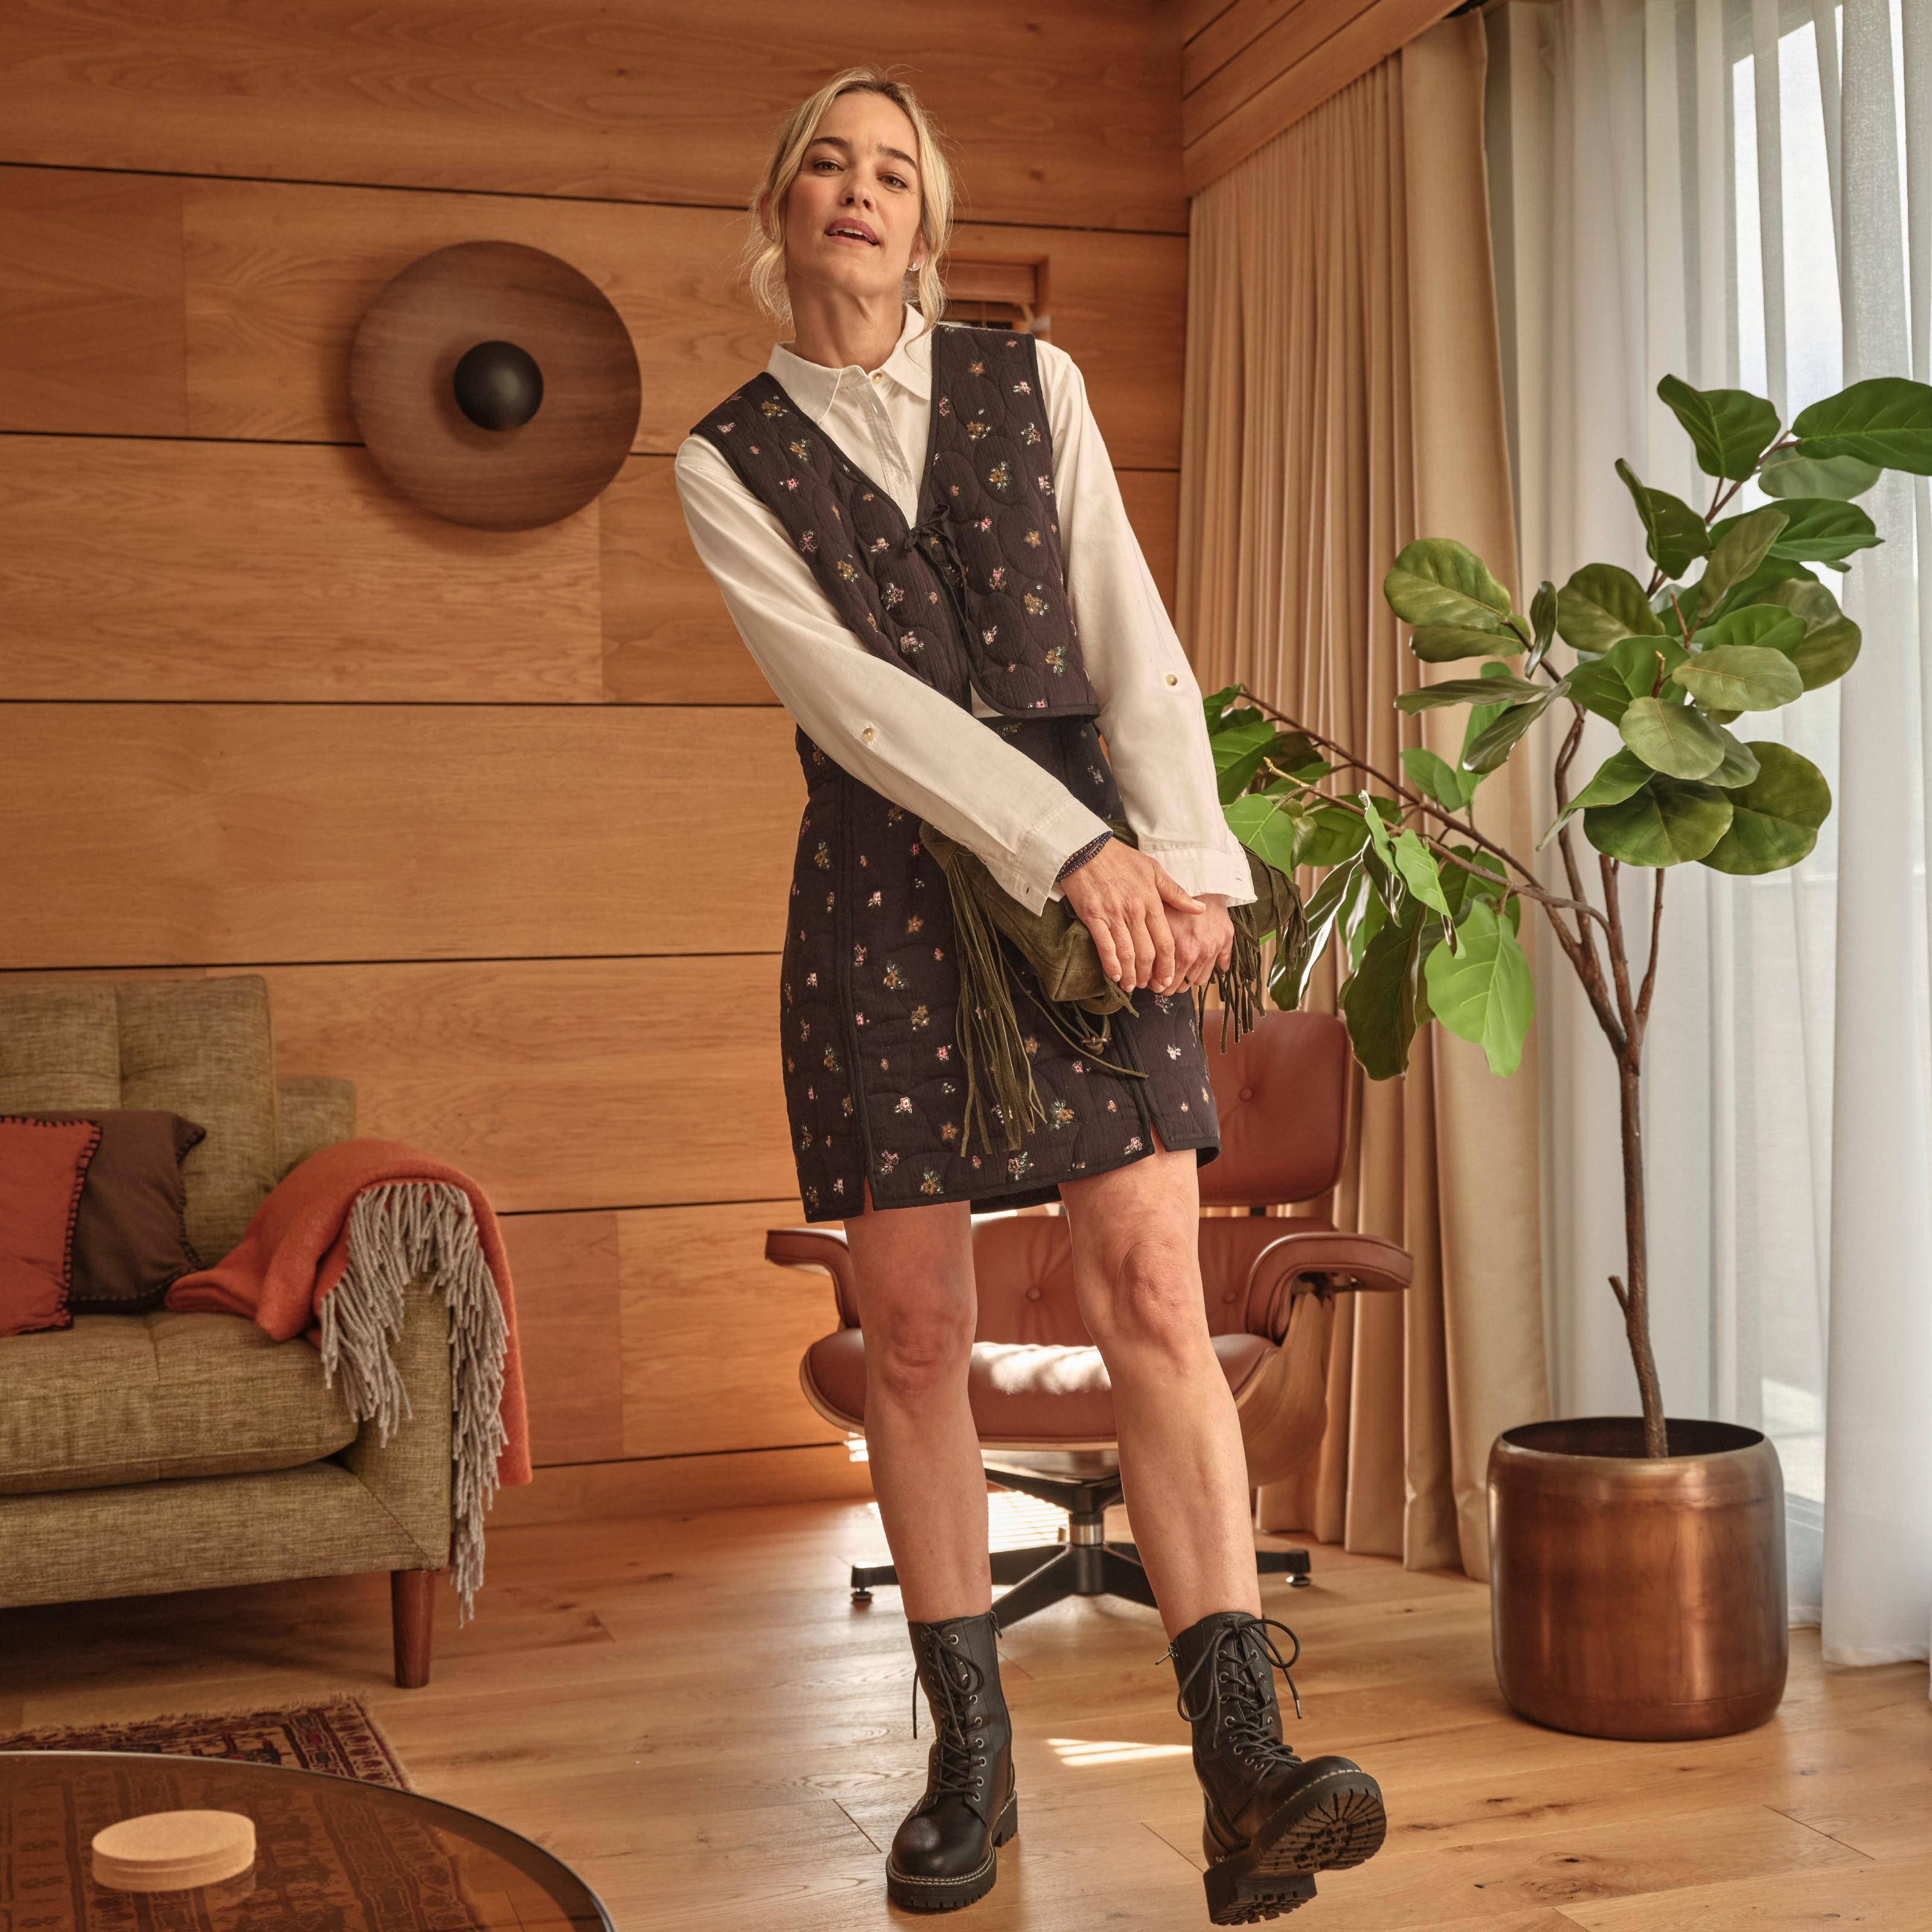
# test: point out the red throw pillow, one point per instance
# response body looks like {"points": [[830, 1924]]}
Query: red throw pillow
{"points": [[43, 1169]]}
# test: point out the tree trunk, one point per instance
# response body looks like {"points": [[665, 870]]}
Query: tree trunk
{"points": [[1635, 1298]]}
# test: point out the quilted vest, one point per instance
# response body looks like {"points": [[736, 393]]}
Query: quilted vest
{"points": [[974, 595]]}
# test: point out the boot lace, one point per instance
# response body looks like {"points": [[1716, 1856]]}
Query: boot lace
{"points": [[962, 1769], [1237, 1663]]}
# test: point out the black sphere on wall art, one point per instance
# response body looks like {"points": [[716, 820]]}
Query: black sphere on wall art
{"points": [[499, 386]]}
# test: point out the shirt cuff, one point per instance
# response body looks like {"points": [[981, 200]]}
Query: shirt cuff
{"points": [[1206, 868], [1043, 851]]}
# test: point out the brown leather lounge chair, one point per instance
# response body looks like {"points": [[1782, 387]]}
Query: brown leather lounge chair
{"points": [[1040, 1396]]}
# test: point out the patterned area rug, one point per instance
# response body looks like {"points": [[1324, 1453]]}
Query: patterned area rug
{"points": [[339, 1735]]}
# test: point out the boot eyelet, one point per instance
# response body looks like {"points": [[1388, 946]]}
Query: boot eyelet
{"points": [[953, 1638]]}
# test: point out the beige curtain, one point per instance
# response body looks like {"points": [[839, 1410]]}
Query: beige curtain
{"points": [[1343, 396]]}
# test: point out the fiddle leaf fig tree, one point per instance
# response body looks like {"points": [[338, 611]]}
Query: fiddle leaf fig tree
{"points": [[1735, 620]]}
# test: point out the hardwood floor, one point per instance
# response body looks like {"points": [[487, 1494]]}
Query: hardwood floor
{"points": [[691, 1711]]}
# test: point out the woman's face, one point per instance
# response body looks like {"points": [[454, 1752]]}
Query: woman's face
{"points": [[858, 179]]}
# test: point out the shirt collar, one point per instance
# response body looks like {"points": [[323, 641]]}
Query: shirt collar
{"points": [[815, 388]]}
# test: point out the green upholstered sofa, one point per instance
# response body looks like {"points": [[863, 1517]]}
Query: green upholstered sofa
{"points": [[162, 1451]]}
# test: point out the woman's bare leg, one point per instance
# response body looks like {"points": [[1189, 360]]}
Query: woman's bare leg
{"points": [[1137, 1274], [913, 1272]]}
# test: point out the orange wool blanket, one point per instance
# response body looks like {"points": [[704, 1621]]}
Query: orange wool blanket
{"points": [[327, 1256]]}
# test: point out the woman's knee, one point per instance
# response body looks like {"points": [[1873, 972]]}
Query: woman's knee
{"points": [[913, 1352], [1149, 1299]]}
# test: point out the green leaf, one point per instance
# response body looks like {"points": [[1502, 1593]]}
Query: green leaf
{"points": [[1542, 624], [1377, 830], [1601, 605], [1436, 580], [1730, 428], [1493, 745], [1620, 774], [1435, 777], [1821, 531], [1829, 646], [1239, 747], [1775, 818], [1670, 821], [1749, 589], [1366, 917], [1380, 1001], [1738, 677], [1740, 764], [1482, 716], [1267, 822], [1630, 669], [1288, 979], [1672, 739], [1330, 834], [1468, 691], [1443, 644], [1459, 886], [1217, 703], [1886, 420], [1760, 626], [1787, 473], [1482, 992], [1739, 551], [1417, 864], [1673, 532]]}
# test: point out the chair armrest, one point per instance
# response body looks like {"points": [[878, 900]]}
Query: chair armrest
{"points": [[1322, 1261], [409, 1474], [818, 1248]]}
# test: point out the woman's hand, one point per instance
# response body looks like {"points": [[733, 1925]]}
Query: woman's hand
{"points": [[1146, 931]]}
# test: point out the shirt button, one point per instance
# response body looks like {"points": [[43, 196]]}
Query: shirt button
{"points": [[868, 734], [878, 375], [1172, 679]]}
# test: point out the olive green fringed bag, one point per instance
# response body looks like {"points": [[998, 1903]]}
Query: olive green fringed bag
{"points": [[1058, 947]]}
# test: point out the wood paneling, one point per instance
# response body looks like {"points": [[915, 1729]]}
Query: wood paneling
{"points": [[663, 1334], [277, 276], [1069, 107], [223, 571], [210, 833], [1252, 68]]}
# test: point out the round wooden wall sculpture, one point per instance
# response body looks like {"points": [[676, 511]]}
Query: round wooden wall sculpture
{"points": [[496, 385]]}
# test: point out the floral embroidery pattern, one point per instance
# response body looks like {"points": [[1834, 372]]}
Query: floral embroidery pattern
{"points": [[1000, 476], [772, 406], [800, 448]]}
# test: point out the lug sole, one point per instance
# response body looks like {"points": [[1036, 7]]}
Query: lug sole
{"points": [[947, 1895], [1236, 1898], [1332, 1824]]}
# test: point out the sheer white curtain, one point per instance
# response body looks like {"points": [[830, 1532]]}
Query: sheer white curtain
{"points": [[1739, 192]]}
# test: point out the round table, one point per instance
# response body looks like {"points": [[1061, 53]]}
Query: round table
{"points": [[330, 1852]]}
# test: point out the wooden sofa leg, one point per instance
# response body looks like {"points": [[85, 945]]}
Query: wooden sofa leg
{"points": [[411, 1606]]}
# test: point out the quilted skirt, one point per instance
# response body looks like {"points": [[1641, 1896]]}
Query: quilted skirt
{"points": [[874, 1087]]}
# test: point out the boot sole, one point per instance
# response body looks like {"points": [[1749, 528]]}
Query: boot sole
{"points": [[948, 1895], [1335, 1822]]}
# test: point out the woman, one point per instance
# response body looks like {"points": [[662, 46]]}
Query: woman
{"points": [[919, 535]]}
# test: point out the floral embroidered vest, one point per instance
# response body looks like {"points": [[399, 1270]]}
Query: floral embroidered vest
{"points": [[974, 595]]}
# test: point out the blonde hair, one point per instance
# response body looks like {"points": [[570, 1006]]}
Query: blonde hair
{"points": [[764, 253]]}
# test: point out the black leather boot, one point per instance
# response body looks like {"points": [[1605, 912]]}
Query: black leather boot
{"points": [[1272, 1822], [942, 1854]]}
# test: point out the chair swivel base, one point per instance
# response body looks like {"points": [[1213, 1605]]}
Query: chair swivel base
{"points": [[1086, 1565]]}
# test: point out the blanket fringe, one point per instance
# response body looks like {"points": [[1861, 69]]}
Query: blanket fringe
{"points": [[400, 1231]]}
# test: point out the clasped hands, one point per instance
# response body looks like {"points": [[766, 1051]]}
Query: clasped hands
{"points": [[1146, 931]]}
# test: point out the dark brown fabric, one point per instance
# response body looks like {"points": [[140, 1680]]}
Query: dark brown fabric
{"points": [[43, 1169], [131, 1242], [974, 594]]}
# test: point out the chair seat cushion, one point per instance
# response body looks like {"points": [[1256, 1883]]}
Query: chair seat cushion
{"points": [[131, 1398], [1024, 1394]]}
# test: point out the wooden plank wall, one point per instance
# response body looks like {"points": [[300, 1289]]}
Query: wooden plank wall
{"points": [[504, 819], [1251, 68]]}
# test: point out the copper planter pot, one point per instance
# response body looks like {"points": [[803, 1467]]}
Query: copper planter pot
{"points": [[1633, 1597]]}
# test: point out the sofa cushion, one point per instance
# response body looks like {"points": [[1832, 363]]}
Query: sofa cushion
{"points": [[131, 1244], [127, 1398], [203, 1048], [43, 1170]]}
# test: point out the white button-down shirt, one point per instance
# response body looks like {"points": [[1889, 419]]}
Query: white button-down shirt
{"points": [[913, 744]]}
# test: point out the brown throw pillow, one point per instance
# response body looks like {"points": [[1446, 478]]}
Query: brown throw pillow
{"points": [[43, 1169], [131, 1244]]}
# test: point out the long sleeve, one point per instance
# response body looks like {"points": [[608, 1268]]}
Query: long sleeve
{"points": [[888, 729], [1151, 714]]}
